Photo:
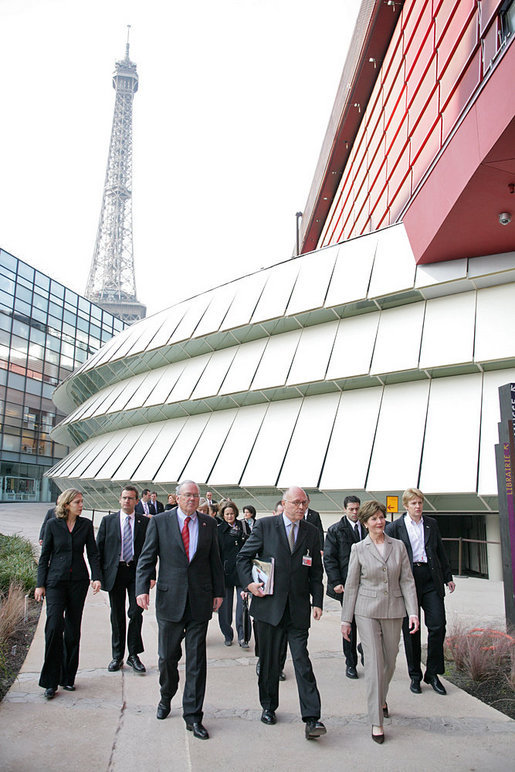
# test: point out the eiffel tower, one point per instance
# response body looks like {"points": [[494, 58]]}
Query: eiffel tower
{"points": [[111, 282]]}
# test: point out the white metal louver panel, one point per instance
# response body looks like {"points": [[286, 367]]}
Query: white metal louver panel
{"points": [[238, 445]]}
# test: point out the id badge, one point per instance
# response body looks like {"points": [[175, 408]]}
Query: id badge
{"points": [[307, 560]]}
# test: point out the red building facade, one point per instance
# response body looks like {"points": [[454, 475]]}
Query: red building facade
{"points": [[422, 131]]}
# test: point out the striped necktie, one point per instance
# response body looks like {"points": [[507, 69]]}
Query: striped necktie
{"points": [[127, 541]]}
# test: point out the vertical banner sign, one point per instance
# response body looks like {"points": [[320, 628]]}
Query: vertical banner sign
{"points": [[505, 460]]}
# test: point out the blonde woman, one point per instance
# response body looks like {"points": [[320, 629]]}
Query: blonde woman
{"points": [[63, 579]]}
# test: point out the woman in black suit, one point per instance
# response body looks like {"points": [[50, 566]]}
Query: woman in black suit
{"points": [[64, 579], [231, 539], [249, 521]]}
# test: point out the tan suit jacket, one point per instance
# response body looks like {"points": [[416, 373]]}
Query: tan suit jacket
{"points": [[379, 587]]}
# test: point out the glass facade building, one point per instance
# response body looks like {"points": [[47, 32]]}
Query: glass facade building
{"points": [[46, 332]]}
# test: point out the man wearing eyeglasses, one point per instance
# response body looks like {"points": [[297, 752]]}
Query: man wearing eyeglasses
{"points": [[190, 587], [294, 544]]}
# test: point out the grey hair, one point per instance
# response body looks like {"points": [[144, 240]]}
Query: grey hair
{"points": [[185, 482]]}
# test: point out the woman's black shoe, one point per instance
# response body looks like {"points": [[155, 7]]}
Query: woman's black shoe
{"points": [[50, 693]]}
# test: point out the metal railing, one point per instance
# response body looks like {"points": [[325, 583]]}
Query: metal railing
{"points": [[461, 541]]}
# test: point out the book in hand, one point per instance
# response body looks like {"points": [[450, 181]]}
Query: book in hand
{"points": [[263, 571]]}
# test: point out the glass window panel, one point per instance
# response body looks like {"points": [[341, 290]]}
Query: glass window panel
{"points": [[25, 270], [277, 291], [306, 451], [57, 289], [22, 307], [71, 298], [268, 453], [490, 417], [162, 391], [129, 437], [204, 455], [495, 323], [38, 315], [7, 299], [353, 346], [39, 302], [8, 260], [19, 348], [7, 284], [84, 305], [41, 280], [189, 378], [190, 320], [351, 275], [211, 379], [452, 433], [23, 294], [11, 442], [96, 311], [313, 280], [238, 445], [248, 291], [398, 338], [217, 310], [391, 471], [177, 458], [276, 360], [145, 388], [55, 310], [448, 335], [5, 322], [348, 455], [394, 264], [312, 354], [146, 455], [243, 367]]}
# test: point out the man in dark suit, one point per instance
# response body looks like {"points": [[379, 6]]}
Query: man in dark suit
{"points": [[338, 544], [143, 505], [50, 513], [119, 540], [155, 506], [431, 571], [295, 546], [190, 587], [313, 517]]}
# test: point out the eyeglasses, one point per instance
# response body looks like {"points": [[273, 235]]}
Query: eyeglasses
{"points": [[297, 503]]}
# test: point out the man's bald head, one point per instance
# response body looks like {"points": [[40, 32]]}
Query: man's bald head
{"points": [[295, 502]]}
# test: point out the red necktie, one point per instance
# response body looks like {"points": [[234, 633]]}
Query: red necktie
{"points": [[186, 536]]}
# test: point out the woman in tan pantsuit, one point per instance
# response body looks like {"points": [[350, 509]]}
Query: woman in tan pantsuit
{"points": [[379, 591]]}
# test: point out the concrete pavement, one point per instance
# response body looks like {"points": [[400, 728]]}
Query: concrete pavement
{"points": [[109, 722]]}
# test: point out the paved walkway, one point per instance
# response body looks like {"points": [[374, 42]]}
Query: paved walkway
{"points": [[109, 724]]}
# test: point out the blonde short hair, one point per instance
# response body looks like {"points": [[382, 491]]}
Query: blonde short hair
{"points": [[411, 493], [64, 501]]}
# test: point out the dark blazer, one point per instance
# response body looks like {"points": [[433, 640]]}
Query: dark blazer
{"points": [[230, 540], [157, 507], [338, 544], [294, 583], [49, 514], [313, 517], [247, 530], [139, 508], [109, 543], [200, 580], [436, 557], [62, 553]]}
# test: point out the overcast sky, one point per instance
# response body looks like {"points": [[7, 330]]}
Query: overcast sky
{"points": [[233, 103]]}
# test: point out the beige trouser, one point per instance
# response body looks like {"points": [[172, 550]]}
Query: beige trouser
{"points": [[380, 641]]}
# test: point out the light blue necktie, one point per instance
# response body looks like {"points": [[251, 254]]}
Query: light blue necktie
{"points": [[127, 541]]}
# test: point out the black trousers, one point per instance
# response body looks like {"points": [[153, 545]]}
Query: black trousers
{"points": [[284, 646], [64, 606], [225, 614], [271, 644], [125, 587], [171, 635], [434, 618]]}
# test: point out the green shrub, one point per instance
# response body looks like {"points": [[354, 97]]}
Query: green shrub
{"points": [[17, 563]]}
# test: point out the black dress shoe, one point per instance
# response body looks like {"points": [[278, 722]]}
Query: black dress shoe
{"points": [[314, 729], [351, 672], [50, 692], [385, 711], [282, 677], [415, 686], [268, 717], [199, 730], [136, 664], [378, 738], [435, 682], [115, 665], [163, 709], [68, 687], [361, 655]]}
